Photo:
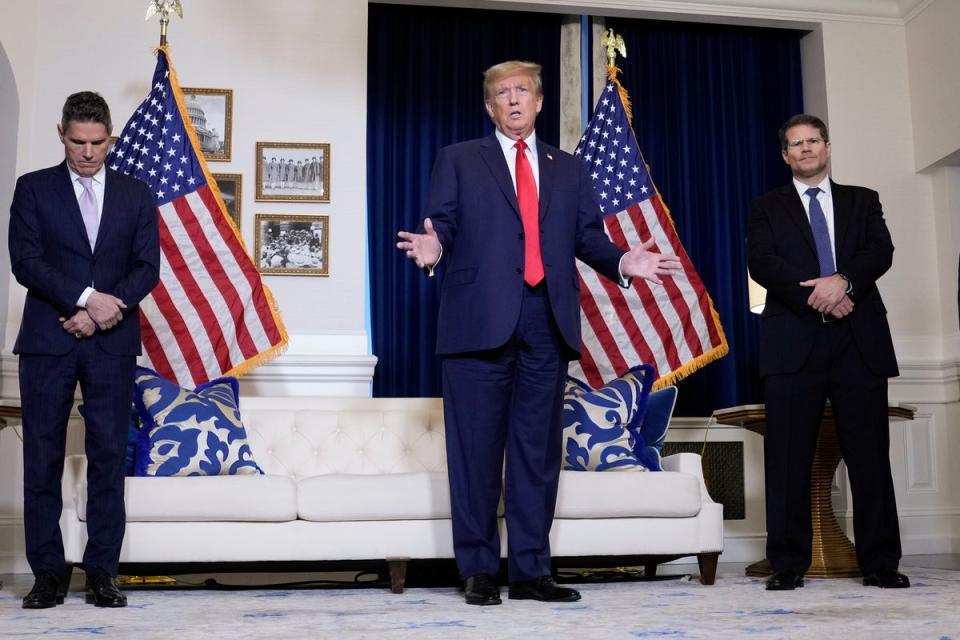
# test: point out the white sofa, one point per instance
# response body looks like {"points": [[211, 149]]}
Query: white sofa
{"points": [[365, 479]]}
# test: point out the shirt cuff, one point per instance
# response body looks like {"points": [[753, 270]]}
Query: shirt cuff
{"points": [[624, 280], [432, 267], [82, 301]]}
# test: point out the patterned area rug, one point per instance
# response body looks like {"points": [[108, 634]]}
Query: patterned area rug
{"points": [[735, 607]]}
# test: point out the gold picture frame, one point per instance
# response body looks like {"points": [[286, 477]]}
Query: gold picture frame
{"points": [[211, 112], [304, 178], [291, 244], [231, 189]]}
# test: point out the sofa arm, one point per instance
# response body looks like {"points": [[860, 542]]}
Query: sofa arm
{"points": [[74, 473], [690, 463], [684, 463]]}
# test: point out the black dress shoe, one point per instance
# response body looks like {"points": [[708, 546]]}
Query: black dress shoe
{"points": [[886, 579], [543, 589], [102, 591], [481, 589], [784, 580], [48, 591]]}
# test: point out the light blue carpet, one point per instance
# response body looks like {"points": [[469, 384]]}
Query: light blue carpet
{"points": [[736, 607]]}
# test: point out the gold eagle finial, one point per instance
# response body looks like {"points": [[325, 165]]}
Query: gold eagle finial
{"points": [[163, 8], [614, 44]]}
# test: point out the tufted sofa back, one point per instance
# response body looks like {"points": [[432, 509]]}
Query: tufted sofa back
{"points": [[302, 437]]}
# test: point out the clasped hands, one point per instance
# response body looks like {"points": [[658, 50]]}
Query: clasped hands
{"points": [[103, 312], [829, 295], [639, 262]]}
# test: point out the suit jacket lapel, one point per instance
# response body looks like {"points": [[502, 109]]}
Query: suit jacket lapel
{"points": [[796, 213], [109, 212], [492, 155], [545, 160], [64, 190], [841, 217]]}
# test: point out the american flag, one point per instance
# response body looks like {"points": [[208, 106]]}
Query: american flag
{"points": [[210, 314], [673, 327]]}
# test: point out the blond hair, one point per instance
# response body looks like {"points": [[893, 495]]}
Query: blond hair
{"points": [[511, 67]]}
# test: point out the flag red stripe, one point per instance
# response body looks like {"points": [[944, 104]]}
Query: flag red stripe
{"points": [[703, 298], [607, 342], [158, 359], [221, 281], [179, 329], [242, 260], [199, 304], [590, 370], [669, 284], [650, 307]]}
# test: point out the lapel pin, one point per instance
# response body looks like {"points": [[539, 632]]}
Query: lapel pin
{"points": [[549, 156]]}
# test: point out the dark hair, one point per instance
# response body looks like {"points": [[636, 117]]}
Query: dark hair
{"points": [[86, 106], [802, 118]]}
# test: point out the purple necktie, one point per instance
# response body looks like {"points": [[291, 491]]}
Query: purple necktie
{"points": [[821, 235], [88, 209]]}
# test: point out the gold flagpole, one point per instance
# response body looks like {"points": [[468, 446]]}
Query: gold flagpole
{"points": [[163, 8]]}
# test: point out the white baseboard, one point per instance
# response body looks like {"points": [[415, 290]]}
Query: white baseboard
{"points": [[12, 557]]}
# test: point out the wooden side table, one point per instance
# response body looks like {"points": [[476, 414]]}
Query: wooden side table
{"points": [[833, 554]]}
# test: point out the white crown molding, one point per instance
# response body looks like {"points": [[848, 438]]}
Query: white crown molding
{"points": [[910, 9], [801, 12]]}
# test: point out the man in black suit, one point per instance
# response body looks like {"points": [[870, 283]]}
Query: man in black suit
{"points": [[84, 242], [819, 247]]}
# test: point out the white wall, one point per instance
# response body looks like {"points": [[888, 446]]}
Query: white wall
{"points": [[933, 54]]}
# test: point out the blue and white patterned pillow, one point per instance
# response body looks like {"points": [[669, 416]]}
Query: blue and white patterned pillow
{"points": [[652, 432], [599, 424], [190, 433]]}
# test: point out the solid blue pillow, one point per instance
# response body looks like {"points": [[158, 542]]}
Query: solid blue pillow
{"points": [[650, 435], [599, 424], [190, 433]]}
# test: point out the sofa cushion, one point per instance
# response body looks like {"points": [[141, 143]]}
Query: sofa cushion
{"points": [[599, 424], [190, 433], [421, 495], [206, 499], [652, 432], [668, 494]]}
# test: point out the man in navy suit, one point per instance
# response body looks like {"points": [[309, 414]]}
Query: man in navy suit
{"points": [[507, 215], [819, 247], [84, 242]]}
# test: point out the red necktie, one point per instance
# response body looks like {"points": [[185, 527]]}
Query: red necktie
{"points": [[530, 216]]}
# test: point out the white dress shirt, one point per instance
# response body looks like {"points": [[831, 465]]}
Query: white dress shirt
{"points": [[99, 187], [825, 198]]}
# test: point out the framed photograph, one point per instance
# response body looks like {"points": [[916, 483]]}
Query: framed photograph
{"points": [[293, 171], [211, 112], [231, 188], [292, 244]]}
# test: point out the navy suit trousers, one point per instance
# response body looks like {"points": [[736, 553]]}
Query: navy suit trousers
{"points": [[47, 386], [506, 402]]}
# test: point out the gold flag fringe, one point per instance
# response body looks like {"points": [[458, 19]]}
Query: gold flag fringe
{"points": [[278, 349], [722, 349]]}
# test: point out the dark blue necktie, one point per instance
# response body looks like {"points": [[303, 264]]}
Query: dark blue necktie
{"points": [[821, 236]]}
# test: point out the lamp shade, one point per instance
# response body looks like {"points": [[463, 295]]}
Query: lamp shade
{"points": [[756, 295]]}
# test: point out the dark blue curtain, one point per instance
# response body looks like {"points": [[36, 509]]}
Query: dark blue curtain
{"points": [[707, 103], [424, 91]]}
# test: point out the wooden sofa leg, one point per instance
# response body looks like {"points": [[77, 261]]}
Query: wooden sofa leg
{"points": [[398, 575], [708, 567]]}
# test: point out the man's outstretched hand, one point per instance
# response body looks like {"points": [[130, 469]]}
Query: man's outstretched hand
{"points": [[639, 262], [422, 248]]}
